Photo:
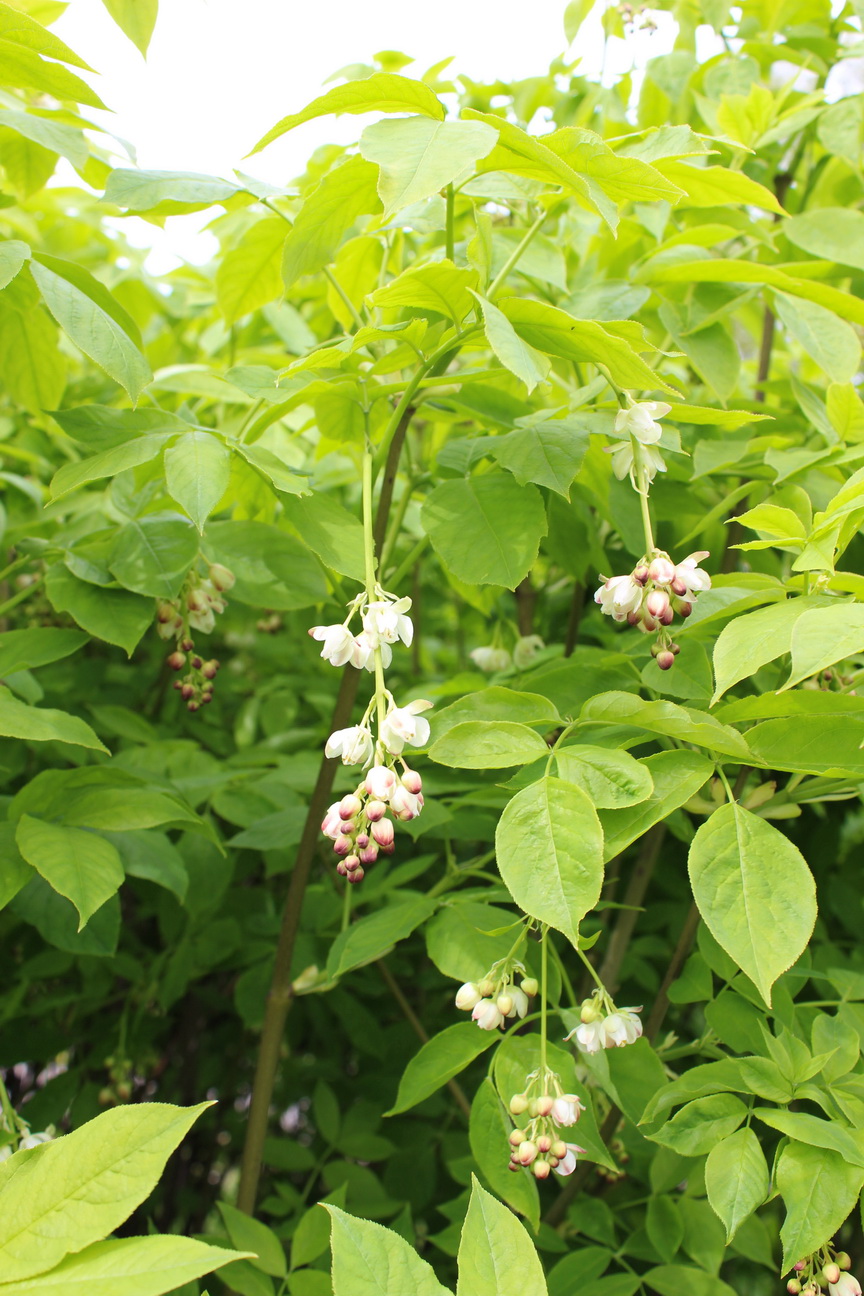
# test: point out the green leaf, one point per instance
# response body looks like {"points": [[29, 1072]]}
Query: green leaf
{"points": [[749, 642], [552, 330], [682, 1280], [116, 616], [79, 865], [696, 1128], [56, 920], [197, 471], [382, 92], [549, 452], [248, 1234], [486, 530], [816, 1132], [549, 844], [370, 1260], [39, 724], [830, 341], [664, 1226], [611, 778], [824, 636], [371, 937], [59, 1197], [488, 744], [346, 192], [677, 776], [50, 134], [136, 18], [489, 1128], [152, 855], [108, 464], [835, 233], [441, 287], [21, 66], [497, 703], [496, 1255], [439, 1060], [93, 330], [815, 744], [272, 569], [13, 253], [465, 938], [139, 1266], [685, 723], [530, 366], [717, 186], [819, 1190], [329, 530], [18, 26], [29, 649], [419, 156], [754, 891], [153, 556], [736, 1178], [32, 369], [166, 193], [250, 275]]}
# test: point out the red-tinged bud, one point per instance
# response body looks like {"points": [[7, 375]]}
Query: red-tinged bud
{"points": [[186, 644], [388, 850], [513, 1165], [369, 854], [831, 1273], [665, 660], [187, 691], [517, 1136], [678, 587], [545, 1105], [544, 1143], [526, 1152], [541, 1169], [383, 832], [348, 827], [206, 697], [197, 663], [197, 601], [351, 862], [657, 602], [177, 684], [177, 660], [661, 571], [209, 669], [793, 1287], [341, 869], [165, 612], [843, 1260], [640, 575], [559, 1149], [799, 1265], [518, 1105], [361, 841], [357, 876], [375, 810], [649, 625], [634, 618], [553, 1161], [192, 706], [412, 781], [222, 577], [668, 616], [350, 806], [683, 608], [674, 648], [343, 845]]}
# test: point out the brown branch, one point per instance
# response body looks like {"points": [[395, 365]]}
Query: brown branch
{"points": [[642, 873], [419, 1029], [682, 949], [526, 598]]}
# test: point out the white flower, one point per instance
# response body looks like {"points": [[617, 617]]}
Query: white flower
{"points": [[332, 822], [491, 659], [380, 782], [364, 651], [354, 745], [486, 1015], [619, 596], [632, 1023], [567, 1164], [204, 621], [468, 996], [567, 1109], [527, 648], [403, 725], [339, 643], [520, 1002], [846, 1285], [589, 1036], [386, 622], [404, 804], [638, 421], [691, 575], [624, 462], [34, 1140]]}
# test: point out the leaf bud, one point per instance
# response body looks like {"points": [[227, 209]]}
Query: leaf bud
{"points": [[518, 1104], [531, 986], [541, 1169]]}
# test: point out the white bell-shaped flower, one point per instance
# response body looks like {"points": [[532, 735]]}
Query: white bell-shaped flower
{"points": [[354, 745], [639, 421], [403, 725]]}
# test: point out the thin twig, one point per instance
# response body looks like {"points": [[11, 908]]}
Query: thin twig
{"points": [[419, 1029]]}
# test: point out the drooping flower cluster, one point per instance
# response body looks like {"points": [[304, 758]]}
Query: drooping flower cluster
{"points": [[490, 659], [537, 1144], [196, 608], [652, 594], [496, 997], [604, 1026], [825, 1267], [637, 454], [358, 825]]}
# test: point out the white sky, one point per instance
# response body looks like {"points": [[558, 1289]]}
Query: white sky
{"points": [[219, 73]]}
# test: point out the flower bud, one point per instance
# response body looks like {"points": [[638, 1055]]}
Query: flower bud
{"points": [[531, 986], [666, 618], [187, 691], [559, 1149], [375, 810], [350, 806], [544, 1143], [380, 782], [640, 575], [831, 1273], [504, 1004], [177, 660], [361, 841], [222, 577], [369, 854], [526, 1152], [192, 705], [351, 862], [513, 1165], [590, 1010], [541, 1169], [665, 660], [679, 587], [383, 832], [518, 1104], [657, 603], [683, 608], [793, 1287], [467, 996], [486, 987], [661, 571], [342, 845], [799, 1265], [544, 1105], [843, 1260], [186, 644], [412, 781], [197, 601], [165, 612], [517, 1136], [197, 663], [341, 869], [486, 1015], [209, 669], [357, 876]]}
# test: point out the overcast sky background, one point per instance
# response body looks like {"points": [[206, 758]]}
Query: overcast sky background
{"points": [[219, 73]]}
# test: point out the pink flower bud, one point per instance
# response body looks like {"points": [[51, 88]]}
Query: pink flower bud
{"points": [[799, 1265], [649, 625], [369, 854], [526, 1152], [678, 586], [544, 1143], [665, 660], [177, 660], [657, 602], [387, 850], [350, 806], [634, 618], [683, 608], [357, 876], [640, 575], [380, 782], [361, 841], [383, 832], [831, 1273], [342, 845], [661, 571], [351, 862], [341, 869], [412, 781], [375, 810], [544, 1105]]}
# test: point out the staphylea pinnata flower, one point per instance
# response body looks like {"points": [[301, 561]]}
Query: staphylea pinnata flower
{"points": [[536, 1143], [490, 659], [403, 725]]}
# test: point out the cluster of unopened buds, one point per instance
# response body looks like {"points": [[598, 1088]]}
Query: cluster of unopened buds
{"points": [[492, 658], [653, 594], [26, 1140], [536, 1144], [496, 997], [384, 622], [825, 1268], [604, 1026], [196, 608], [358, 824]]}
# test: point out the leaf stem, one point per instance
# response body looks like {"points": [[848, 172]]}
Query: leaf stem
{"points": [[544, 968], [449, 241], [514, 256]]}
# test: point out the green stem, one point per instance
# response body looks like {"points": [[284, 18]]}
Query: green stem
{"points": [[345, 299], [544, 968], [514, 256], [9, 1113], [642, 491], [371, 581], [408, 561], [449, 244], [590, 966], [346, 907], [20, 596]]}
